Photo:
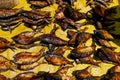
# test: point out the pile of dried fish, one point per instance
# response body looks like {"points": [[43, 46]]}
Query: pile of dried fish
{"points": [[66, 17], [10, 19], [36, 19]]}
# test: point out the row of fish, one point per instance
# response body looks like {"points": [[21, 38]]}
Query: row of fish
{"points": [[11, 18], [112, 74]]}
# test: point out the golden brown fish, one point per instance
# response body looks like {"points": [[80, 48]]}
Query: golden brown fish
{"points": [[28, 57]]}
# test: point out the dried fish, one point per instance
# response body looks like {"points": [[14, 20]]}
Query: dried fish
{"points": [[40, 3], [103, 34], [108, 55], [85, 75], [10, 23], [103, 43], [61, 50], [29, 66], [78, 37], [36, 19], [86, 60], [25, 76], [7, 13], [64, 21], [6, 64], [53, 39], [83, 51], [28, 46], [25, 38], [28, 57], [73, 14], [60, 74], [57, 59], [35, 15], [5, 44], [11, 27], [37, 22]]}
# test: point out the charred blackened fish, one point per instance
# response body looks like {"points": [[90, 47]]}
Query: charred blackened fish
{"points": [[64, 21], [74, 14], [28, 57]]}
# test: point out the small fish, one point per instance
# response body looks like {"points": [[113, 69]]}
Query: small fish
{"points": [[83, 51], [6, 13], [107, 55], [41, 3], [28, 57], [57, 59], [29, 66], [36, 15], [103, 34], [5, 44], [86, 60], [25, 38], [53, 39]]}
